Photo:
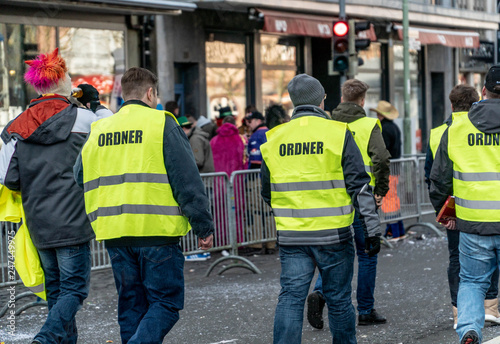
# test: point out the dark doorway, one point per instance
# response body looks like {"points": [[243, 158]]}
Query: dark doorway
{"points": [[321, 53], [438, 99], [186, 89]]}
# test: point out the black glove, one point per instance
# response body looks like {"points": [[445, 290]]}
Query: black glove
{"points": [[90, 94], [372, 245]]}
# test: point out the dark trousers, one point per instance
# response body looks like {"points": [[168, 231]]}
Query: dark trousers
{"points": [[150, 285]]}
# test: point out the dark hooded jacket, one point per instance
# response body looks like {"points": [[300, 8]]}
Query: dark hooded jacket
{"points": [[485, 116], [40, 149], [378, 153]]}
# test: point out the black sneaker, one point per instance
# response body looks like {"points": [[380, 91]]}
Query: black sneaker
{"points": [[315, 305], [371, 319], [470, 337]]}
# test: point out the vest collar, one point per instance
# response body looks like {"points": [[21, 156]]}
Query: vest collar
{"points": [[309, 110], [135, 102]]}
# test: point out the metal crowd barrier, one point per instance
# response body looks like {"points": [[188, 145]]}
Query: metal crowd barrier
{"points": [[242, 218], [425, 202]]}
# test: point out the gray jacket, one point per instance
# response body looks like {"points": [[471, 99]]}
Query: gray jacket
{"points": [[485, 116], [40, 148], [357, 185], [198, 139]]}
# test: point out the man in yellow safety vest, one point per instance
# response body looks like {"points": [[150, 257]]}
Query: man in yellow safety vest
{"points": [[368, 137], [142, 193], [467, 165], [314, 179]]}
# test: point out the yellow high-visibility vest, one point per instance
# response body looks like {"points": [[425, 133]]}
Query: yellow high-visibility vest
{"points": [[127, 192], [26, 258], [476, 171], [437, 133], [308, 191], [362, 131]]}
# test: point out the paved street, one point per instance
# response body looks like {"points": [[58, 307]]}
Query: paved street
{"points": [[238, 306]]}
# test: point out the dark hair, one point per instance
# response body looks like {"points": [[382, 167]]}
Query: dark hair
{"points": [[136, 82], [354, 90], [229, 119], [250, 108], [171, 106], [492, 95], [462, 97], [276, 115]]}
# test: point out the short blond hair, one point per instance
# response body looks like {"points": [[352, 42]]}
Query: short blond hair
{"points": [[354, 91]]}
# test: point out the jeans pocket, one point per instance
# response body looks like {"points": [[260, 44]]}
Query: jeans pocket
{"points": [[113, 255], [158, 254], [71, 251]]}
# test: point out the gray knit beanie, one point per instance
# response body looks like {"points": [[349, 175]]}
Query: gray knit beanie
{"points": [[305, 90]]}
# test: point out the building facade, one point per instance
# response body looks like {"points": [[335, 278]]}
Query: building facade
{"points": [[231, 53]]}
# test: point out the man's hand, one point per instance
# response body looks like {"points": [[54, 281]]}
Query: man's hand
{"points": [[451, 225], [372, 245], [206, 243], [378, 200]]}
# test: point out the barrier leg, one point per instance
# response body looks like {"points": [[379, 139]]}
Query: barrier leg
{"points": [[428, 225], [247, 265], [23, 307], [386, 242]]}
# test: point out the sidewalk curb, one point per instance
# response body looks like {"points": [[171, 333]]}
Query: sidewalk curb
{"points": [[493, 341]]}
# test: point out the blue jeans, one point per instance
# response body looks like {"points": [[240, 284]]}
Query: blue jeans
{"points": [[150, 285], [367, 271], [479, 258], [454, 269], [67, 277], [335, 263]]}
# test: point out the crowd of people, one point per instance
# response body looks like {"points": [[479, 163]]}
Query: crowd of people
{"points": [[132, 179]]}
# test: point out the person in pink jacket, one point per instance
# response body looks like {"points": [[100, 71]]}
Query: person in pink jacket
{"points": [[228, 148]]}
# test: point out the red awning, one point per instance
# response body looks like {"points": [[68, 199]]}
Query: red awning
{"points": [[449, 38], [304, 24]]}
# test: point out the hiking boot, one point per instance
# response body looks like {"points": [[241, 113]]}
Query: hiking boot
{"points": [[315, 305], [470, 337], [371, 319], [491, 311]]}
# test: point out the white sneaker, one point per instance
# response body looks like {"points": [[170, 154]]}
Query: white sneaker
{"points": [[197, 257], [225, 253]]}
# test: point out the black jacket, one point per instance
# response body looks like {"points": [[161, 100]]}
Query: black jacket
{"points": [[183, 177], [392, 138], [350, 112], [356, 181], [40, 148], [485, 116]]}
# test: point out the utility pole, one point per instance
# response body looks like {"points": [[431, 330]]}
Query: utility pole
{"points": [[406, 80]]}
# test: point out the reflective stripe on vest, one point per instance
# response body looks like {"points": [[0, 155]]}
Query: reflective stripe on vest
{"points": [[476, 171], [308, 192], [362, 131], [127, 192], [437, 133]]}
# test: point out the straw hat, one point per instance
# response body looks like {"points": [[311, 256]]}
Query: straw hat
{"points": [[386, 109]]}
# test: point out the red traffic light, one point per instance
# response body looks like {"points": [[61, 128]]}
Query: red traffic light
{"points": [[340, 28]]}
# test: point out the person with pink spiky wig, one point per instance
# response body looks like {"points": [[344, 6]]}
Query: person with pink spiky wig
{"points": [[40, 148]]}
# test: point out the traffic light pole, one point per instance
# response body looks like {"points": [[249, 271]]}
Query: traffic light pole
{"points": [[406, 79], [342, 16]]}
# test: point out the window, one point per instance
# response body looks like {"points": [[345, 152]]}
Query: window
{"points": [[279, 66], [92, 56], [226, 88]]}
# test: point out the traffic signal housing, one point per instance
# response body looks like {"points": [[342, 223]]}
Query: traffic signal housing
{"points": [[356, 45], [340, 46]]}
